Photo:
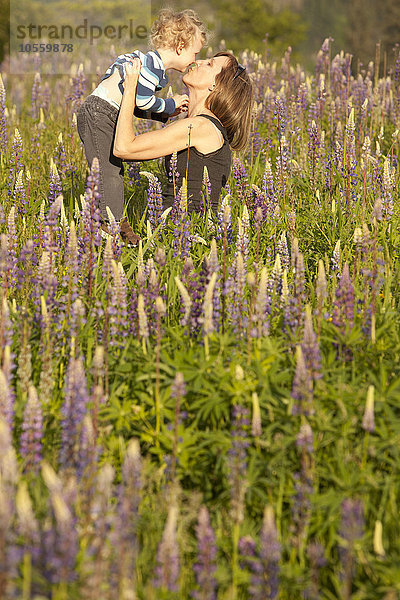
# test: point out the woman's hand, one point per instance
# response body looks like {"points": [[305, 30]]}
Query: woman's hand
{"points": [[131, 71]]}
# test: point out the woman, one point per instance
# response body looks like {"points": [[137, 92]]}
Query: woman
{"points": [[219, 117]]}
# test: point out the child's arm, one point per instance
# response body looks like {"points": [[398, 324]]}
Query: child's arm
{"points": [[149, 78], [181, 103]]}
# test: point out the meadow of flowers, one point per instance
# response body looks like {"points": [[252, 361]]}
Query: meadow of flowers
{"points": [[216, 413]]}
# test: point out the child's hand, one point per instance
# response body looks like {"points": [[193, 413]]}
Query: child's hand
{"points": [[181, 103], [131, 71]]}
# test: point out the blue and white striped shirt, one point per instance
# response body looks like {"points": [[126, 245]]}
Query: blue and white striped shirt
{"points": [[152, 78]]}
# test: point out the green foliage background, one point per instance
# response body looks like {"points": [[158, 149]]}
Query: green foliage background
{"points": [[356, 26]]}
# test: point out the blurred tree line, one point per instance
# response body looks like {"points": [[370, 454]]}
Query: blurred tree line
{"points": [[355, 25]]}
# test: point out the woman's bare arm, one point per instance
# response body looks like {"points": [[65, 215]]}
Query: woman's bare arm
{"points": [[153, 144]]}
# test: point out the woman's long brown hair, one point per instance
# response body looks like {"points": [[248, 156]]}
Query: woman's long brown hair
{"points": [[232, 102]]}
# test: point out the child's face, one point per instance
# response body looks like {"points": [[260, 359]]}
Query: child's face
{"points": [[188, 55]]}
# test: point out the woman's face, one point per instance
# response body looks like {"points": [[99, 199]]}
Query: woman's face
{"points": [[201, 74]]}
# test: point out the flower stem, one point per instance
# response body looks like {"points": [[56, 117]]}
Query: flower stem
{"points": [[27, 577]]}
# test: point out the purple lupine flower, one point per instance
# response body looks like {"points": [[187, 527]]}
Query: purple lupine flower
{"points": [[15, 161], [127, 515], [70, 276], [101, 519], [270, 554], [194, 283], [143, 326], [302, 388], [205, 193], [234, 292], [305, 438], [178, 387], [173, 171], [19, 194], [181, 240], [282, 166], [77, 319], [316, 556], [338, 154], [242, 241], [352, 521], [263, 564], [322, 63], [302, 100], [108, 257], [241, 180], [310, 347], [268, 189], [52, 238], [325, 165], [45, 98], [313, 150], [225, 219], [60, 538], [336, 259], [8, 258], [291, 219], [257, 202], [186, 302], [301, 507], [35, 96], [213, 266], [280, 116], [237, 460], [257, 143], [24, 371], [262, 307], [205, 566], [159, 257], [388, 188], [150, 293], [88, 453], [350, 157], [274, 285], [250, 558], [167, 569], [351, 529], [118, 307], [3, 120], [74, 409], [32, 431], [60, 158], [79, 83], [258, 218], [377, 212], [207, 319], [321, 284], [154, 200], [294, 305], [46, 280], [90, 238], [282, 249], [343, 307], [55, 187], [133, 171]]}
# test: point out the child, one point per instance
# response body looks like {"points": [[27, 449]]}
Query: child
{"points": [[176, 38]]}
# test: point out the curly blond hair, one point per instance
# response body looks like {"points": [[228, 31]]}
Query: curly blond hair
{"points": [[171, 28]]}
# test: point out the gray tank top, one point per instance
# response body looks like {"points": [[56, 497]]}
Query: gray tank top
{"points": [[218, 164]]}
